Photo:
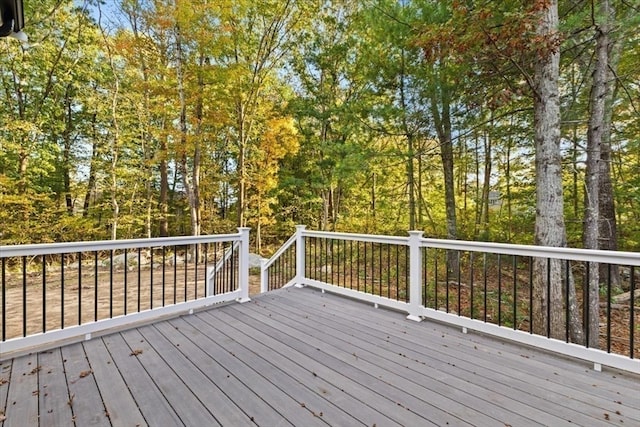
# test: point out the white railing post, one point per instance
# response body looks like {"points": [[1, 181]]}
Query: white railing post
{"points": [[300, 252], [415, 276], [243, 267], [264, 276]]}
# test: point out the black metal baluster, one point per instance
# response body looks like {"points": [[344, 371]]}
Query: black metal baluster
{"points": [[471, 269], [350, 264], [586, 310], [61, 291], [216, 279], [446, 282], [344, 263], [531, 295], [389, 275], [632, 328], [4, 299], [164, 276], [24, 296], [206, 266], [111, 284], [515, 292], [186, 254], [397, 248], [95, 286], [126, 268], [499, 289], [365, 266], [566, 301], [358, 266], [484, 296], [548, 297], [425, 276], [151, 279], [406, 272], [140, 282], [79, 288], [44, 294], [435, 273], [459, 284], [608, 307], [380, 247], [333, 265], [195, 275]]}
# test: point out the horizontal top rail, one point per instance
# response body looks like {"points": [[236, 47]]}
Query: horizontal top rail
{"points": [[574, 254], [393, 240], [101, 245]]}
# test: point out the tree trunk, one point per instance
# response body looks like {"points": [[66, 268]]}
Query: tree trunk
{"points": [[597, 101], [66, 152], [92, 168], [164, 188], [608, 233], [411, 182], [443, 128], [549, 227], [190, 180]]}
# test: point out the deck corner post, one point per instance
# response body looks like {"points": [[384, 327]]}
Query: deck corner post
{"points": [[300, 252], [243, 265], [415, 278]]}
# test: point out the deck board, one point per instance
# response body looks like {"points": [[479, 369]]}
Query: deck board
{"points": [[394, 396], [283, 403], [83, 388], [418, 355], [5, 376], [289, 361], [563, 384], [225, 411], [55, 401], [120, 407], [240, 393], [22, 399], [423, 388], [282, 374], [301, 357]]}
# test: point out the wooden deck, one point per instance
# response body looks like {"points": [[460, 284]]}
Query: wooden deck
{"points": [[299, 357]]}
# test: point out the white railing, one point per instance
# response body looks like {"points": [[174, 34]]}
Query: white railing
{"points": [[486, 287], [71, 291]]}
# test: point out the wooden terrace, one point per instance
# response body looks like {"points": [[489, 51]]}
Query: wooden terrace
{"points": [[304, 358]]}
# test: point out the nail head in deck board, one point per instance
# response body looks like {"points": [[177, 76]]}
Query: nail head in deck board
{"points": [[225, 410], [189, 409], [242, 394], [22, 403], [150, 402], [281, 376], [88, 409], [122, 408], [371, 344], [55, 402]]}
